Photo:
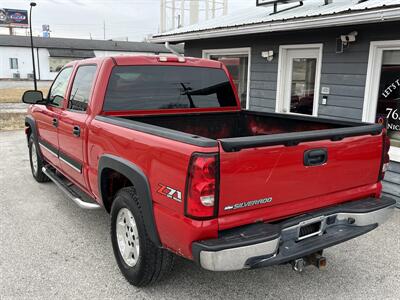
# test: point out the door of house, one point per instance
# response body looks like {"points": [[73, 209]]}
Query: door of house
{"points": [[382, 97], [299, 76]]}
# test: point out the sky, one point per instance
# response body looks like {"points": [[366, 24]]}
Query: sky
{"points": [[124, 19]]}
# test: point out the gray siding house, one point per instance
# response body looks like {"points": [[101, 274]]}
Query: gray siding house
{"points": [[337, 59]]}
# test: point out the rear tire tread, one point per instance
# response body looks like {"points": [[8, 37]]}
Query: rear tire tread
{"points": [[155, 262], [39, 176]]}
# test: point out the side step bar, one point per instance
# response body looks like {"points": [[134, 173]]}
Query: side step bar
{"points": [[68, 191]]}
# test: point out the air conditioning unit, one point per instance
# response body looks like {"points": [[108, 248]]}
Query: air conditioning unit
{"points": [[16, 76], [29, 76]]}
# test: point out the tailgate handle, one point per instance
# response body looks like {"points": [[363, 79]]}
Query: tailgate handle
{"points": [[315, 157]]}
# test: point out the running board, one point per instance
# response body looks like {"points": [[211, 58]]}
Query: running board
{"points": [[68, 191]]}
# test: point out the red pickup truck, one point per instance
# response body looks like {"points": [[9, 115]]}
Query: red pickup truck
{"points": [[162, 144]]}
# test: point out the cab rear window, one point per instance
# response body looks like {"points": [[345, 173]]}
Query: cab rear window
{"points": [[167, 87]]}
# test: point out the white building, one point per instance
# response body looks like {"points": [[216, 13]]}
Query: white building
{"points": [[53, 53]]}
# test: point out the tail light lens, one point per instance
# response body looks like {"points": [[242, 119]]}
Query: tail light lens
{"points": [[201, 189], [385, 155]]}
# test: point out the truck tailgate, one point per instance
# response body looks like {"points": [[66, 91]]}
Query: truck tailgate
{"points": [[275, 175]]}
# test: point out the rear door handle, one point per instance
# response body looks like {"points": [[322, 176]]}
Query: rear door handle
{"points": [[55, 122], [76, 131], [315, 157]]}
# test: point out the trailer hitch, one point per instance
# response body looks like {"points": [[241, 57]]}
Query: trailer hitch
{"points": [[315, 259]]}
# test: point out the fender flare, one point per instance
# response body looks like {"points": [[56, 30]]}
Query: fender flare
{"points": [[32, 124], [139, 180]]}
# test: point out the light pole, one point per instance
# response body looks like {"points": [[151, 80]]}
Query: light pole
{"points": [[32, 4]]}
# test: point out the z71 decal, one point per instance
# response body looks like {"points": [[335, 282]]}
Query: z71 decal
{"points": [[170, 192]]}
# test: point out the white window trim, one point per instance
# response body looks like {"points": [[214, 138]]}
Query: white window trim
{"points": [[281, 78], [372, 84], [207, 53]]}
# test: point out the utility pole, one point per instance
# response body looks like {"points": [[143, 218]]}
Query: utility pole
{"points": [[225, 8], [213, 9], [194, 12], [173, 14], [162, 16], [104, 30], [32, 4], [207, 9], [182, 15]]}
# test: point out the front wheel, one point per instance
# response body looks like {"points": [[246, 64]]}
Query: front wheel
{"points": [[140, 261], [36, 161]]}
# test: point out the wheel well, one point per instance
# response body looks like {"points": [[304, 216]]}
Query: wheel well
{"points": [[111, 182], [28, 130]]}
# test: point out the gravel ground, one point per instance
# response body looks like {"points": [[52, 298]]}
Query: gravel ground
{"points": [[52, 249]]}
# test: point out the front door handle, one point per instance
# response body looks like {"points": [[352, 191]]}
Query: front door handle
{"points": [[55, 122], [76, 131]]}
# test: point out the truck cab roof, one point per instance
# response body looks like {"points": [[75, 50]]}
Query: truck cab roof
{"points": [[126, 60]]}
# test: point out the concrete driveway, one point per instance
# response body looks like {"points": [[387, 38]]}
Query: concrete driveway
{"points": [[52, 249]]}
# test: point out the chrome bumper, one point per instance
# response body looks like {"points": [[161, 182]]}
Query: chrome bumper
{"points": [[336, 226]]}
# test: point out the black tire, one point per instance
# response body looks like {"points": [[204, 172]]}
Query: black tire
{"points": [[152, 262], [36, 171]]}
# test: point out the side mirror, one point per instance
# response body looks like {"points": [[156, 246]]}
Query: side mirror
{"points": [[33, 97]]}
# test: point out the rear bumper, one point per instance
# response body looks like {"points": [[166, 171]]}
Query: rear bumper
{"points": [[261, 244]]}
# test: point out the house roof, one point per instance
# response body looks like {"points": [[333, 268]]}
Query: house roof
{"points": [[82, 44], [312, 14]]}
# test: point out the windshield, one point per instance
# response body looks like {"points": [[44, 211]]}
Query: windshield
{"points": [[167, 87]]}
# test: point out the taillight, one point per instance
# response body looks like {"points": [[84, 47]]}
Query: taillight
{"points": [[385, 155], [202, 186]]}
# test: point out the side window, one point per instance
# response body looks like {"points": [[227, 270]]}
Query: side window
{"points": [[59, 87], [80, 92]]}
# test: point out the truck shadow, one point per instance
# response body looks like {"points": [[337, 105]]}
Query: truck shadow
{"points": [[349, 271]]}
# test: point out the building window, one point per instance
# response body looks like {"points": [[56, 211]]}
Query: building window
{"points": [[13, 63], [388, 108], [382, 91], [237, 62]]}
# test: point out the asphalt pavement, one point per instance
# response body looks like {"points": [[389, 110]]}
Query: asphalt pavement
{"points": [[52, 249]]}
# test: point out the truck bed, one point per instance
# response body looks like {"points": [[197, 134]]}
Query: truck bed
{"points": [[245, 129], [238, 124]]}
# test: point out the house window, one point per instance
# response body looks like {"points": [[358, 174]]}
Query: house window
{"points": [[237, 62], [13, 63], [389, 95], [382, 91]]}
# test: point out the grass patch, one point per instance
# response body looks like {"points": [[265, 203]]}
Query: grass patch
{"points": [[12, 121], [14, 95]]}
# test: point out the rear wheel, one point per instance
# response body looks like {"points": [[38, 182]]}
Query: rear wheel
{"points": [[140, 261], [36, 161]]}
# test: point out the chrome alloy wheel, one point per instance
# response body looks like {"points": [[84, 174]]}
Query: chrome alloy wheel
{"points": [[34, 158], [127, 237]]}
